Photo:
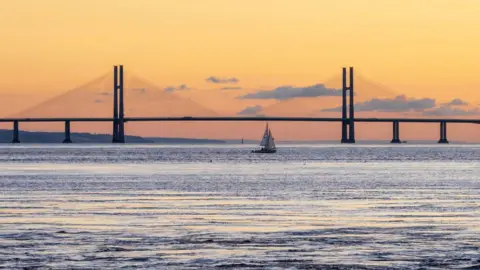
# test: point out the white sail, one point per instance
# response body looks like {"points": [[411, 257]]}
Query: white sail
{"points": [[264, 140], [270, 141], [272, 144]]}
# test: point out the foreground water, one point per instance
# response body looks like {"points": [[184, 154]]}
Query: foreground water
{"points": [[177, 207]]}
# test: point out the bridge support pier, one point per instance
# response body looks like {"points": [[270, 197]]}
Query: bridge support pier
{"points": [[443, 133], [345, 132], [67, 133], [16, 137], [396, 132]]}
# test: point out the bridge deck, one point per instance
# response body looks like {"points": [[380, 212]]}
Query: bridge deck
{"points": [[245, 119]]}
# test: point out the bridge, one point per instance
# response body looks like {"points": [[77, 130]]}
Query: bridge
{"points": [[347, 118]]}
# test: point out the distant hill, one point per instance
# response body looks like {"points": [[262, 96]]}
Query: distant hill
{"points": [[57, 137]]}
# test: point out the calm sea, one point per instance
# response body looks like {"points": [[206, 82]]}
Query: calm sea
{"points": [[221, 207]]}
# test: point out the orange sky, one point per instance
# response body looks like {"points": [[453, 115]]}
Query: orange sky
{"points": [[426, 48], [58, 44]]}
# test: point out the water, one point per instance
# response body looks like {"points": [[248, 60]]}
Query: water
{"points": [[176, 207]]}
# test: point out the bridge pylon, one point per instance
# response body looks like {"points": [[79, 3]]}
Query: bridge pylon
{"points": [[443, 132], [118, 135], [16, 136], [348, 105], [396, 132], [67, 132]]}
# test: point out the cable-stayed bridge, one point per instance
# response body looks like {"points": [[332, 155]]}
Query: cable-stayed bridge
{"points": [[347, 118]]}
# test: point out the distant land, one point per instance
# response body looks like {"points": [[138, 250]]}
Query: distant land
{"points": [[364, 142], [58, 137]]}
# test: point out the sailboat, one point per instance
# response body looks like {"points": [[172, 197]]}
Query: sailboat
{"points": [[267, 143]]}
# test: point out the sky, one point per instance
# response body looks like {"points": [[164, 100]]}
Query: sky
{"points": [[421, 49]]}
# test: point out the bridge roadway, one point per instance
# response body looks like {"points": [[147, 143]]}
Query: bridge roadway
{"points": [[245, 119]]}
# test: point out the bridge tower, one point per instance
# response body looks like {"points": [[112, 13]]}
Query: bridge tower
{"points": [[118, 106], [443, 132], [348, 105]]}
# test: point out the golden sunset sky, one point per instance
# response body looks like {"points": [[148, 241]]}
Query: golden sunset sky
{"points": [[420, 48], [51, 45]]}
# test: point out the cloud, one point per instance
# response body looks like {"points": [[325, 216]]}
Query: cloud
{"points": [[449, 111], [213, 79], [397, 104], [140, 90], [290, 92], [181, 87], [456, 102], [251, 110], [231, 88]]}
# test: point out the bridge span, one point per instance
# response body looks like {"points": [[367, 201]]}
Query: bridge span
{"points": [[347, 121], [243, 119]]}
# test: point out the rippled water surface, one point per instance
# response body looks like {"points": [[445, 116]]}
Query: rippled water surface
{"points": [[181, 207]]}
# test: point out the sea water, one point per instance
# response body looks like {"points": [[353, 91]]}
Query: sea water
{"points": [[191, 207]]}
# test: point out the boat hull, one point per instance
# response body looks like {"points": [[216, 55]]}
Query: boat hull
{"points": [[264, 151]]}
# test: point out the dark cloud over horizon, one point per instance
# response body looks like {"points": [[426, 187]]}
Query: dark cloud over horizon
{"points": [[251, 110], [181, 87], [290, 92], [398, 104], [219, 80], [402, 104], [449, 111], [456, 102]]}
